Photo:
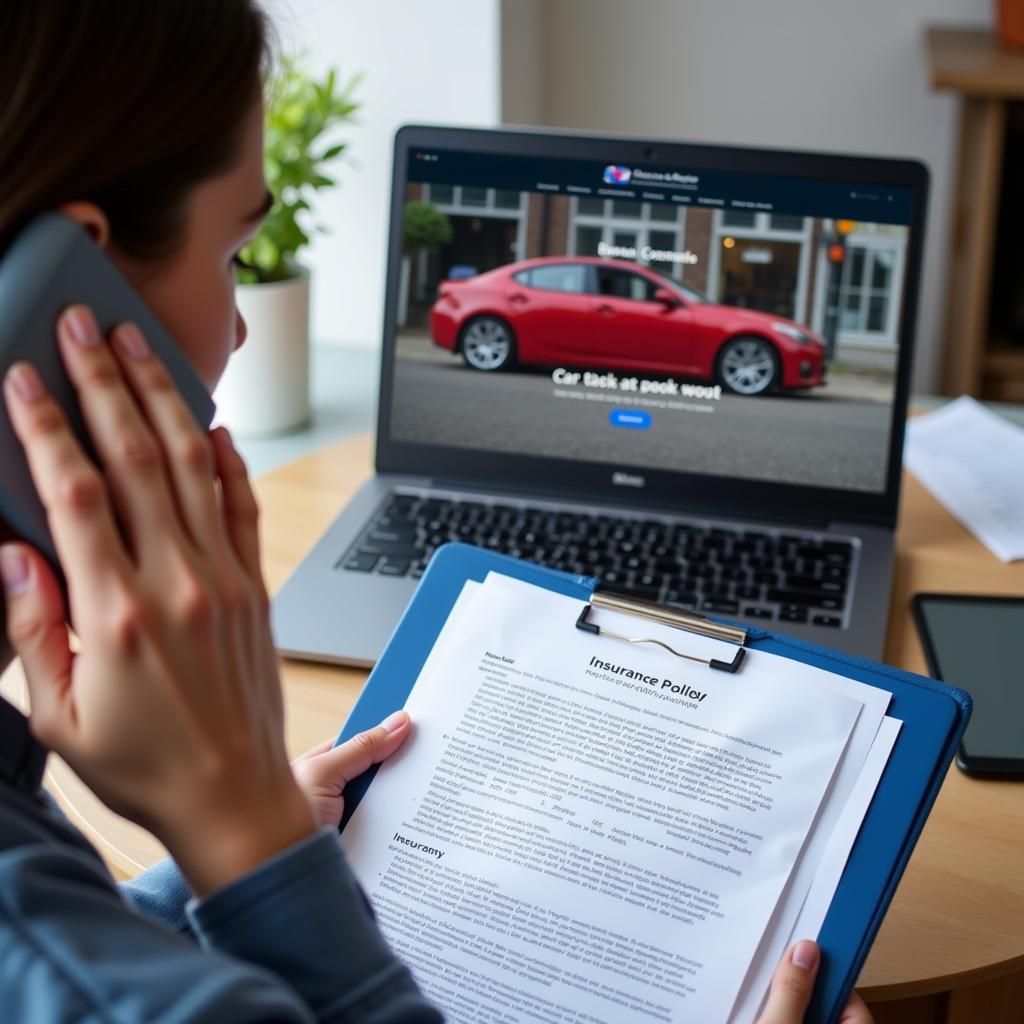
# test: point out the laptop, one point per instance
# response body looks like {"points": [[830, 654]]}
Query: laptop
{"points": [[682, 369]]}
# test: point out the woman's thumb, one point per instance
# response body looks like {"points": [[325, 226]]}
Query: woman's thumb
{"points": [[37, 632], [792, 985], [354, 756]]}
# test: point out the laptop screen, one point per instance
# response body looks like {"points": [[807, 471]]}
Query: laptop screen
{"points": [[738, 325]]}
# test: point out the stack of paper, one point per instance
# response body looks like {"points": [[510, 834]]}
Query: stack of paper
{"points": [[583, 829], [973, 461]]}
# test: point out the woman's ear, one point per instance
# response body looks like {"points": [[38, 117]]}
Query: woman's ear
{"points": [[90, 217]]}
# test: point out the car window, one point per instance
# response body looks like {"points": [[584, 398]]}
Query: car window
{"points": [[559, 277], [622, 284], [678, 287]]}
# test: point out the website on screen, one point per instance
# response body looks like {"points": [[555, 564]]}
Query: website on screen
{"points": [[740, 325]]}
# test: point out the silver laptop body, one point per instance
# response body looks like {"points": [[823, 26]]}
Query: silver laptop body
{"points": [[683, 369]]}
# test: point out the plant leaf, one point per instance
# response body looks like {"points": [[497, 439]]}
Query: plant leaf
{"points": [[300, 110]]}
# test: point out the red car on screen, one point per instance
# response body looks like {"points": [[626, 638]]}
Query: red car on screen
{"points": [[592, 312]]}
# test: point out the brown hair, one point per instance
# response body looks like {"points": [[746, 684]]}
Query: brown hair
{"points": [[126, 103]]}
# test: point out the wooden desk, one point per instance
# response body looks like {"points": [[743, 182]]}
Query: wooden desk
{"points": [[957, 921]]}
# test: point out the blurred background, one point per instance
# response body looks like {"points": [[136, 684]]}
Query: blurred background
{"points": [[802, 74]]}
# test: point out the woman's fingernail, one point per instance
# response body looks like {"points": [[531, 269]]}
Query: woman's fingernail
{"points": [[81, 326], [128, 338], [395, 721], [14, 569], [26, 382], [805, 954]]}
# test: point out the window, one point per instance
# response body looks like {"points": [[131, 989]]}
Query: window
{"points": [[786, 222], [664, 212], [865, 289], [627, 224], [475, 200], [761, 260], [763, 223], [621, 284], [738, 218], [560, 277], [627, 208], [587, 240], [663, 241]]}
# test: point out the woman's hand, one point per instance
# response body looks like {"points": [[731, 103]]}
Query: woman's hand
{"points": [[323, 772], [171, 708], [792, 985]]}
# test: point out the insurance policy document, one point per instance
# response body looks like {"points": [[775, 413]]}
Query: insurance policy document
{"points": [[584, 830], [811, 886]]}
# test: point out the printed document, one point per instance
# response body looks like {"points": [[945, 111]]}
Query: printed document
{"points": [[586, 830], [973, 461], [801, 912], [807, 896]]}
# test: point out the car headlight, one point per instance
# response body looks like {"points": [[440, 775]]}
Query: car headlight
{"points": [[793, 332]]}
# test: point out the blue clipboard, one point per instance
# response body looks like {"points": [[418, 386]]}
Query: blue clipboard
{"points": [[934, 717]]}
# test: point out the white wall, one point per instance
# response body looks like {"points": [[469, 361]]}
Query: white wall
{"points": [[427, 62], [805, 74]]}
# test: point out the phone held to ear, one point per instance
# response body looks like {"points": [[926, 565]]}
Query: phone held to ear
{"points": [[51, 265]]}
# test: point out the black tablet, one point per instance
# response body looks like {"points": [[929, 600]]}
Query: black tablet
{"points": [[974, 642]]}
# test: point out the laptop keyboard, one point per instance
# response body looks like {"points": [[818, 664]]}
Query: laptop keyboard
{"points": [[757, 574]]}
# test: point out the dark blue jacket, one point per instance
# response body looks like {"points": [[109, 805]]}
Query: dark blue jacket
{"points": [[293, 940]]}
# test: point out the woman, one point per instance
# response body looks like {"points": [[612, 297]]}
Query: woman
{"points": [[143, 122]]}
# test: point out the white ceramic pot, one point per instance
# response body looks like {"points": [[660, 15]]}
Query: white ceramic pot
{"points": [[265, 389]]}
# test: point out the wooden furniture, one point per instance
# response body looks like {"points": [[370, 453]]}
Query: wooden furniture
{"points": [[980, 358], [957, 922]]}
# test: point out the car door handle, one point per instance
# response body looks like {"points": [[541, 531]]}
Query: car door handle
{"points": [[604, 309], [518, 297]]}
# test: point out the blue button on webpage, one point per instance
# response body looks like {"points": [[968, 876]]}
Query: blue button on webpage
{"points": [[632, 419]]}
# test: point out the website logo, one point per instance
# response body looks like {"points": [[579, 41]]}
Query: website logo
{"points": [[627, 480], [615, 175]]}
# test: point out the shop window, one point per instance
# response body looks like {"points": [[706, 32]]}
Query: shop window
{"points": [[738, 218], [627, 208], [587, 240], [629, 225], [471, 198], [786, 222], [665, 241], [758, 273], [663, 212], [443, 195], [882, 271], [865, 289], [878, 307]]}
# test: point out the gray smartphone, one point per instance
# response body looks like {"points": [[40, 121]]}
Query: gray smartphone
{"points": [[51, 265]]}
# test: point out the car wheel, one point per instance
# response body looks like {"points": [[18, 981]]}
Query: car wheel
{"points": [[748, 365], [487, 343]]}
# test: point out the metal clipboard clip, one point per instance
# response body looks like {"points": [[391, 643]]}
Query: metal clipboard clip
{"points": [[687, 621]]}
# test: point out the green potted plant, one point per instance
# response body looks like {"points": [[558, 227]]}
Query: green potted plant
{"points": [[424, 228], [266, 387]]}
